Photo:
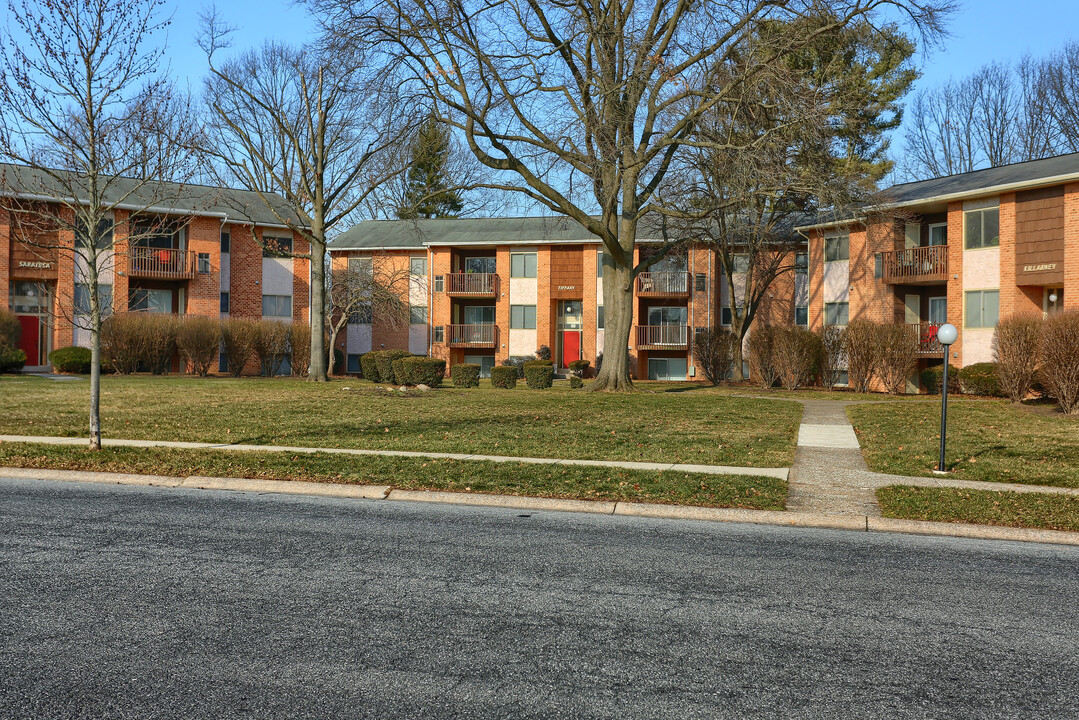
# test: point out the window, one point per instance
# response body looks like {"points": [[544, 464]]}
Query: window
{"points": [[204, 263], [417, 265], [361, 266], [352, 363], [801, 316], [878, 266], [801, 262], [602, 260], [599, 317], [479, 315], [440, 334], [697, 332], [104, 235], [668, 316], [440, 283], [981, 229], [725, 316], [417, 315], [741, 262], [522, 317], [938, 234], [938, 310], [226, 241], [837, 248], [277, 306], [222, 362], [82, 299], [224, 303], [480, 265], [700, 282], [360, 314], [522, 265], [276, 246], [982, 308], [150, 300], [836, 313]]}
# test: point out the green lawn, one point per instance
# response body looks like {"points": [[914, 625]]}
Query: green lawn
{"points": [[990, 441], [584, 483], [664, 423], [981, 507]]}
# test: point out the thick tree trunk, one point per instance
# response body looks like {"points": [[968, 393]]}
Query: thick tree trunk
{"points": [[617, 323], [317, 372]]}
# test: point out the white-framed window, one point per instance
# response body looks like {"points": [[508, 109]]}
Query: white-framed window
{"points": [[801, 262], [417, 315], [938, 234], [277, 306], [938, 310], [226, 242], [440, 283], [417, 265], [362, 266], [276, 246], [522, 317], [981, 308], [204, 263], [836, 313], [82, 298], [981, 228], [440, 334], [837, 248], [801, 316], [145, 300], [523, 265]]}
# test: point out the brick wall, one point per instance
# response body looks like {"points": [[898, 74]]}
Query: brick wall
{"points": [[1071, 245]]}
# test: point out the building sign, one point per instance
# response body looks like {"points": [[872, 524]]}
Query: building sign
{"points": [[31, 265], [567, 287], [1044, 267]]}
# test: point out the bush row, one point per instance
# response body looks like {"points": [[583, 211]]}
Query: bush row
{"points": [[1033, 352]]}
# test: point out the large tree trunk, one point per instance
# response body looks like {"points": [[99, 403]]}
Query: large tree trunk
{"points": [[617, 323], [317, 372]]}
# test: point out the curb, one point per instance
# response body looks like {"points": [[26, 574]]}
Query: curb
{"points": [[860, 523]]}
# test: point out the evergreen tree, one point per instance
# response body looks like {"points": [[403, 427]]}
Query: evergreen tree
{"points": [[427, 192]]}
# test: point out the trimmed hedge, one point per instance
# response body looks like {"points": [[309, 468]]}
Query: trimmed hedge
{"points": [[575, 382], [504, 377], [980, 379], [12, 360], [579, 367], [419, 370], [465, 375], [384, 359], [933, 377], [539, 374], [71, 360], [369, 366], [10, 330]]}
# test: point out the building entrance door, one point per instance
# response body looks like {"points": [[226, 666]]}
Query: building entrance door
{"points": [[569, 323], [31, 304], [1053, 301]]}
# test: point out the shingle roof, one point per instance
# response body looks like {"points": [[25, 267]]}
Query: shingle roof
{"points": [[129, 193], [416, 234], [1061, 166]]}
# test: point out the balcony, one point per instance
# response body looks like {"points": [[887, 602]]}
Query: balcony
{"points": [[472, 336], [161, 263], [662, 337], [472, 284], [928, 345], [663, 284], [915, 266]]}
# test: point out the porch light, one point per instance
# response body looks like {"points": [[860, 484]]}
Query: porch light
{"points": [[946, 335]]}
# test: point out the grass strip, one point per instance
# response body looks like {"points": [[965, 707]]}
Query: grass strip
{"points": [[980, 507], [526, 479]]}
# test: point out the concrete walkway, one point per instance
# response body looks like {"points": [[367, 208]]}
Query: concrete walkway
{"points": [[780, 473], [829, 472]]}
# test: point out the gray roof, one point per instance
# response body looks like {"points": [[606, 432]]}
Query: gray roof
{"points": [[151, 196], [416, 234], [1005, 175]]}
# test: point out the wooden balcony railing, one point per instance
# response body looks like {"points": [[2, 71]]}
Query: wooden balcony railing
{"points": [[472, 336], [915, 265], [161, 263], [663, 284], [472, 284], [928, 344], [662, 337]]}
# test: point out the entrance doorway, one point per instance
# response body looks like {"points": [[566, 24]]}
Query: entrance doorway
{"points": [[1052, 300], [667, 368], [569, 324], [31, 302]]}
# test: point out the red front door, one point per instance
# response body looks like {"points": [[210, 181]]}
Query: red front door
{"points": [[571, 347], [28, 341]]}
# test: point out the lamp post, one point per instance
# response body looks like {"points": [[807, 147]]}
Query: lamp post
{"points": [[946, 335]]}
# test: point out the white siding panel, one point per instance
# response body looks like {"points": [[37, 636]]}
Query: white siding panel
{"points": [[523, 291], [801, 289], [981, 269], [417, 290], [837, 281], [358, 339], [277, 276], [522, 342], [417, 339], [977, 345], [226, 272]]}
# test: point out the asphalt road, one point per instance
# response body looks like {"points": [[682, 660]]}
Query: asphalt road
{"points": [[134, 602]]}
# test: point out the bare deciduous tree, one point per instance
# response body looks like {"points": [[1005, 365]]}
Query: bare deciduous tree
{"points": [[89, 123], [584, 107]]}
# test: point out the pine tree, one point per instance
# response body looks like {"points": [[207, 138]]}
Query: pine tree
{"points": [[427, 192]]}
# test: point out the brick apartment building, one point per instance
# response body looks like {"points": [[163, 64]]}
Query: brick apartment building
{"points": [[485, 290], [966, 249], [205, 258]]}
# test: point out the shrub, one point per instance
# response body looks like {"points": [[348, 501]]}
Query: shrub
{"points": [[713, 353], [575, 382], [832, 359], [795, 356], [933, 377], [579, 368], [543, 353], [419, 371], [10, 330], [898, 346], [13, 360], [862, 346], [238, 340], [385, 359], [980, 379], [539, 374], [517, 362], [71, 360], [299, 348], [369, 366], [761, 355], [1060, 359], [1015, 348], [160, 345], [505, 377], [465, 375], [198, 339], [270, 345], [338, 367], [122, 341]]}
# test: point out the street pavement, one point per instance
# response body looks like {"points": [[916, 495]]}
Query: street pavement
{"points": [[140, 602]]}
